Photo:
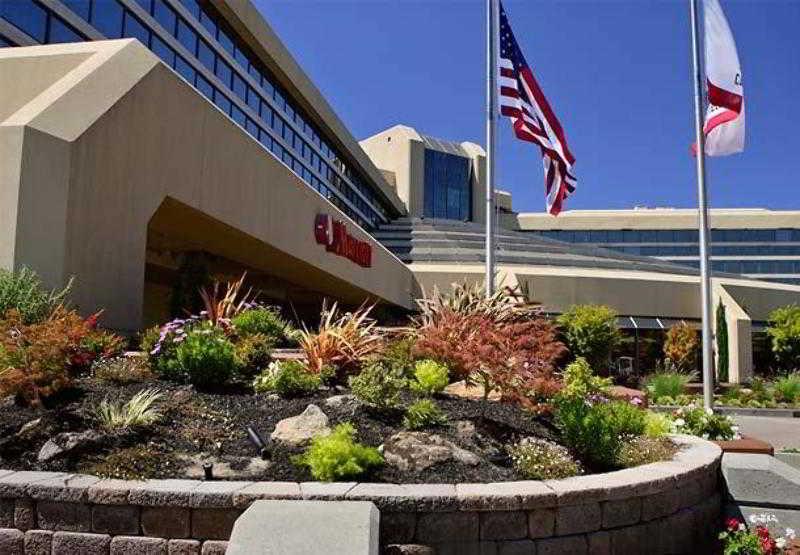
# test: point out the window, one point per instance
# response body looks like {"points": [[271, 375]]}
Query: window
{"points": [[221, 101], [265, 139], [223, 71], [187, 37], [184, 69], [240, 58], [165, 16], [61, 32], [146, 5], [208, 23], [252, 99], [160, 48], [79, 7], [225, 41], [448, 191], [266, 113], [238, 116], [205, 87], [193, 7], [134, 28], [27, 17], [205, 55], [251, 128], [239, 88]]}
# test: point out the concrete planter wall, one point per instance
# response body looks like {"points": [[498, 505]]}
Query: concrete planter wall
{"points": [[667, 507]]}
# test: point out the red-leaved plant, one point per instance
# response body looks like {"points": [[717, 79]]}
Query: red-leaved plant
{"points": [[516, 358]]}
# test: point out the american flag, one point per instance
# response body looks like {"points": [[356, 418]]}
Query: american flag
{"points": [[522, 100]]}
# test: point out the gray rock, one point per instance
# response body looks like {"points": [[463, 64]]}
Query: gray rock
{"points": [[66, 442], [300, 429], [339, 400], [465, 431], [417, 451], [29, 427]]}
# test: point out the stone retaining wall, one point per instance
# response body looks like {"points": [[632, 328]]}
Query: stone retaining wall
{"points": [[668, 507]]}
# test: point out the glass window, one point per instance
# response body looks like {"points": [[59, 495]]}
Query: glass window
{"points": [[146, 5], [165, 16], [61, 32], [26, 16], [268, 88], [447, 193], [184, 69], [238, 116], [134, 28], [251, 127], [222, 101], [160, 48], [264, 139], [205, 55], [239, 88], [266, 113], [208, 23], [240, 58], [254, 73], [192, 6], [79, 7], [252, 99], [187, 37], [225, 41], [205, 87], [223, 71]]}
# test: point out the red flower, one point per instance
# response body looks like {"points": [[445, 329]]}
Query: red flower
{"points": [[732, 524]]}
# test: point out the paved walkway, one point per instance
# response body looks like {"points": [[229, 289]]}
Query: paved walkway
{"points": [[780, 432]]}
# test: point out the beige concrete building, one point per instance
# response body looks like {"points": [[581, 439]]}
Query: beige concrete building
{"points": [[194, 134]]}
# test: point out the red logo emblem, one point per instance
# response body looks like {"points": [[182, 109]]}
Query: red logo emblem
{"points": [[334, 235]]}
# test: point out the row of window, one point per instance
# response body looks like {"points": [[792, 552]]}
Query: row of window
{"points": [[272, 129], [671, 235], [717, 250], [749, 266]]}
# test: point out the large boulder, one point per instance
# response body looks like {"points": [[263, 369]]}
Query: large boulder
{"points": [[67, 442], [415, 451], [300, 429]]}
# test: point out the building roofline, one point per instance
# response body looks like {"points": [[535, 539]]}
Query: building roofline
{"points": [[251, 26]]}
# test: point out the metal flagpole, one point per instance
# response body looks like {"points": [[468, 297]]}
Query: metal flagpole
{"points": [[705, 278], [492, 15]]}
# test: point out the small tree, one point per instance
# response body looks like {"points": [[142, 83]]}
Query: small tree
{"points": [[591, 332], [784, 333], [722, 343], [681, 345]]}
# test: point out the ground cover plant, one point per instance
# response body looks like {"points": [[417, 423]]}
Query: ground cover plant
{"points": [[354, 401]]}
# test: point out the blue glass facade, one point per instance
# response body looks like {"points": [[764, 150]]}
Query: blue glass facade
{"points": [[772, 254], [448, 189], [191, 38]]}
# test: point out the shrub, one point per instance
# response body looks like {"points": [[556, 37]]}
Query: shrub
{"points": [[591, 332], [40, 359], [100, 344], [596, 431], [704, 423], [787, 388], [122, 370], [657, 424], [263, 321], [515, 357], [784, 334], [161, 345], [220, 306], [722, 343], [423, 414], [337, 456], [139, 411], [580, 382], [378, 386], [667, 384], [399, 354], [681, 346], [430, 377], [23, 291], [289, 378], [343, 341], [206, 358], [645, 450], [253, 353], [539, 459]]}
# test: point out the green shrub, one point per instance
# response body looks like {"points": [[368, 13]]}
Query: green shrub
{"points": [[580, 382], [399, 354], [338, 456], [722, 343], [591, 332], [784, 334], [704, 423], [23, 291], [430, 377], [667, 384], [378, 386], [423, 414], [596, 431], [657, 424], [206, 358], [539, 459], [289, 378], [645, 450], [254, 353], [262, 321], [787, 388]]}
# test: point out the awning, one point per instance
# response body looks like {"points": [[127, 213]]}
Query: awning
{"points": [[652, 323]]}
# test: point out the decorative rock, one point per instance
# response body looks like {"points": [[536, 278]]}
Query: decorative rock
{"points": [[300, 429], [29, 427], [339, 400], [68, 543], [11, 541], [66, 442], [465, 431], [415, 451], [215, 547], [183, 547]]}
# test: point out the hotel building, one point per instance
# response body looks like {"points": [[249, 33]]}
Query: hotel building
{"points": [[138, 134]]}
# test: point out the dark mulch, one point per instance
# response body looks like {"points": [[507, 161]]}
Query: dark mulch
{"points": [[215, 423]]}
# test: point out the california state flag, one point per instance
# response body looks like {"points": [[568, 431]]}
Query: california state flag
{"points": [[724, 124]]}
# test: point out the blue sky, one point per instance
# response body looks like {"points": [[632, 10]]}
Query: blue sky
{"points": [[617, 73]]}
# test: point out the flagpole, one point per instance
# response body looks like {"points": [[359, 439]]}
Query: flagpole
{"points": [[705, 278], [492, 15]]}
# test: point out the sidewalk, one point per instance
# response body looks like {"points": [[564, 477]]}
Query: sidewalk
{"points": [[780, 432]]}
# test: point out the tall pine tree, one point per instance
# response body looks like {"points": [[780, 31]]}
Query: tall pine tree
{"points": [[722, 344]]}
